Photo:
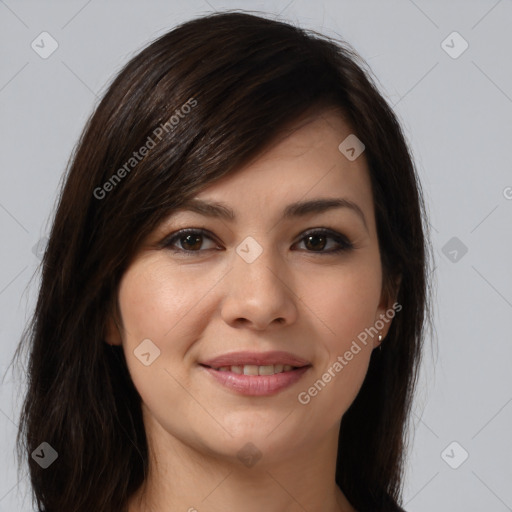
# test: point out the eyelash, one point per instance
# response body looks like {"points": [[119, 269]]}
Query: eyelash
{"points": [[345, 244]]}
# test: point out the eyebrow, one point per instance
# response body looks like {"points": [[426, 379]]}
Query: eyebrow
{"points": [[293, 210]]}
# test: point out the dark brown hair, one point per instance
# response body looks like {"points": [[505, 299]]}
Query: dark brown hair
{"points": [[244, 78]]}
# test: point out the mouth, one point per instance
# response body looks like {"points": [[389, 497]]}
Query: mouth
{"points": [[277, 361], [252, 369], [256, 374]]}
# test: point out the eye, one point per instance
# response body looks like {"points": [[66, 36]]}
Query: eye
{"points": [[190, 240], [316, 241]]}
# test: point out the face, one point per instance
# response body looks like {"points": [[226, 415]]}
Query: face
{"points": [[267, 278]]}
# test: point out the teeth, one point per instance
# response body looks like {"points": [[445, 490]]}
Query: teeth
{"points": [[266, 370], [252, 369]]}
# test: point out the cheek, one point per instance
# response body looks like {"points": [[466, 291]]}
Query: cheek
{"points": [[344, 304], [343, 301], [156, 302]]}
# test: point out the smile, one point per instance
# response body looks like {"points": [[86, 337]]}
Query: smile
{"points": [[252, 369], [252, 380]]}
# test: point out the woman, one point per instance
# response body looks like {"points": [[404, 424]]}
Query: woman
{"points": [[234, 291]]}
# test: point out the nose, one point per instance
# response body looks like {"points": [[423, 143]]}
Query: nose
{"points": [[258, 294]]}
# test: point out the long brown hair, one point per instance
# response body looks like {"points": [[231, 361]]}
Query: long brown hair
{"points": [[204, 99]]}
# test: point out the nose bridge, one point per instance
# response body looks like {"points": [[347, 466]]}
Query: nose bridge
{"points": [[257, 267], [257, 291]]}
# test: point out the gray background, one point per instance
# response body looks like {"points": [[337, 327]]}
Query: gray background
{"points": [[456, 113]]}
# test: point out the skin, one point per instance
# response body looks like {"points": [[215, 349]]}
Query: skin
{"points": [[293, 297]]}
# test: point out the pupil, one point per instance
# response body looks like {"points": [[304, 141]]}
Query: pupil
{"points": [[316, 237], [188, 238], [194, 241]]}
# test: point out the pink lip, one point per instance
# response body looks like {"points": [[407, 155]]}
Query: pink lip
{"points": [[257, 385], [256, 358]]}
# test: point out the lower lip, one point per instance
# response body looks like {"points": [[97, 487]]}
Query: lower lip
{"points": [[257, 385]]}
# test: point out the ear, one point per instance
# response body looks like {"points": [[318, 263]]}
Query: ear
{"points": [[387, 309], [113, 330], [113, 323], [112, 334]]}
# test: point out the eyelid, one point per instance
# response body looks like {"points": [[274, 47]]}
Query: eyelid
{"points": [[344, 243], [175, 235], [343, 240]]}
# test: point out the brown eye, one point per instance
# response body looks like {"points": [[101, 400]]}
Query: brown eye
{"points": [[317, 241], [187, 240], [191, 242]]}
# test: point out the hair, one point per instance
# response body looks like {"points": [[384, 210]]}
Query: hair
{"points": [[204, 99]]}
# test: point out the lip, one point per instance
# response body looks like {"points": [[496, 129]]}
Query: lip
{"points": [[256, 358], [256, 385]]}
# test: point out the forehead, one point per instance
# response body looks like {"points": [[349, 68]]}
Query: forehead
{"points": [[304, 162]]}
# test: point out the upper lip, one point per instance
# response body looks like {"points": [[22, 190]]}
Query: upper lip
{"points": [[256, 358]]}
